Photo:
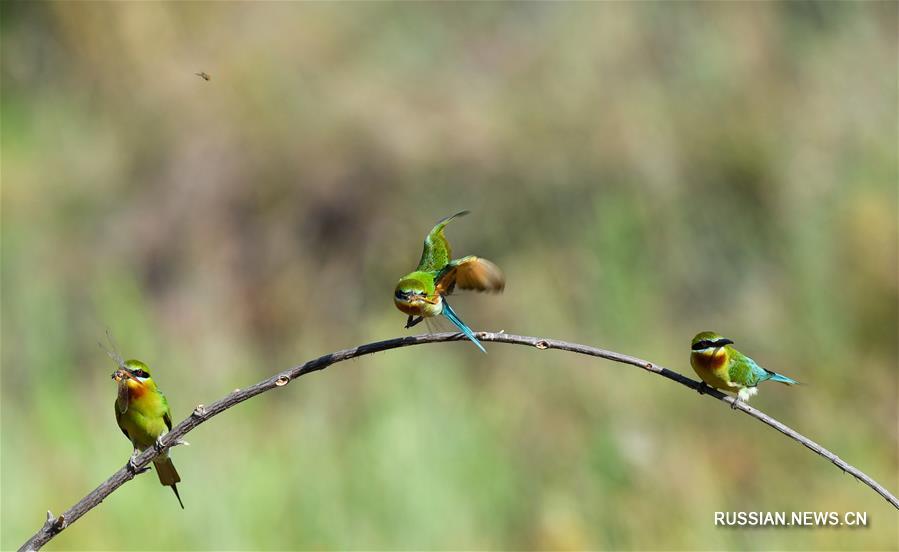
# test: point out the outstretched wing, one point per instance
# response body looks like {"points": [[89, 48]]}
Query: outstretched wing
{"points": [[436, 253], [470, 272]]}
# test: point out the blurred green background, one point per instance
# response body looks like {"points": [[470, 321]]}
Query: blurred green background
{"points": [[641, 172]]}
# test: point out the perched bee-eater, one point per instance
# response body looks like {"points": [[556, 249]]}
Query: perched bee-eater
{"points": [[723, 367], [422, 293], [143, 415]]}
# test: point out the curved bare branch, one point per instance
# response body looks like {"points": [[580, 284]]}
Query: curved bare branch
{"points": [[53, 526]]}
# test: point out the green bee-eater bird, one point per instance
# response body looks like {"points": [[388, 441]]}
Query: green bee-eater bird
{"points": [[143, 415], [422, 293], [723, 367]]}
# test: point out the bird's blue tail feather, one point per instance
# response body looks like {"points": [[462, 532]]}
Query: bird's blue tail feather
{"points": [[449, 313], [782, 379]]}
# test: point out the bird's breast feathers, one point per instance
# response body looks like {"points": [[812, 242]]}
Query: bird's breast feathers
{"points": [[135, 390], [144, 400], [711, 360], [712, 367]]}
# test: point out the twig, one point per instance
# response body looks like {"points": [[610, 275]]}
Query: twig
{"points": [[53, 526]]}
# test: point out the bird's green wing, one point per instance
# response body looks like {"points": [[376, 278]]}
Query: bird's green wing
{"points": [[166, 412], [436, 253], [118, 419], [744, 371]]}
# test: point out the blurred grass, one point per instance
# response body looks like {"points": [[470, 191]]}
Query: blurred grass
{"points": [[640, 171]]}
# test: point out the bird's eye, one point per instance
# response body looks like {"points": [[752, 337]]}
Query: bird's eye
{"points": [[141, 373], [700, 345], [400, 294]]}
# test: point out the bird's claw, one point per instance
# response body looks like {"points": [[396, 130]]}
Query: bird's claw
{"points": [[132, 466], [413, 321], [733, 405], [158, 446], [701, 388]]}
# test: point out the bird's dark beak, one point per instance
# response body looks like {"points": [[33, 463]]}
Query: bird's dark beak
{"points": [[123, 373], [724, 341]]}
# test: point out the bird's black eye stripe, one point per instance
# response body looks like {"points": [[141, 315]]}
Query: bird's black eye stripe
{"points": [[400, 294], [706, 343], [141, 373]]}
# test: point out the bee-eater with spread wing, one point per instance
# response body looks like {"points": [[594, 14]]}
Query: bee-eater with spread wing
{"points": [[143, 415], [723, 367], [422, 293]]}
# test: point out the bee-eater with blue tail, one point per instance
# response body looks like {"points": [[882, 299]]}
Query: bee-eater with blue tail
{"points": [[422, 294], [143, 415], [725, 368]]}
